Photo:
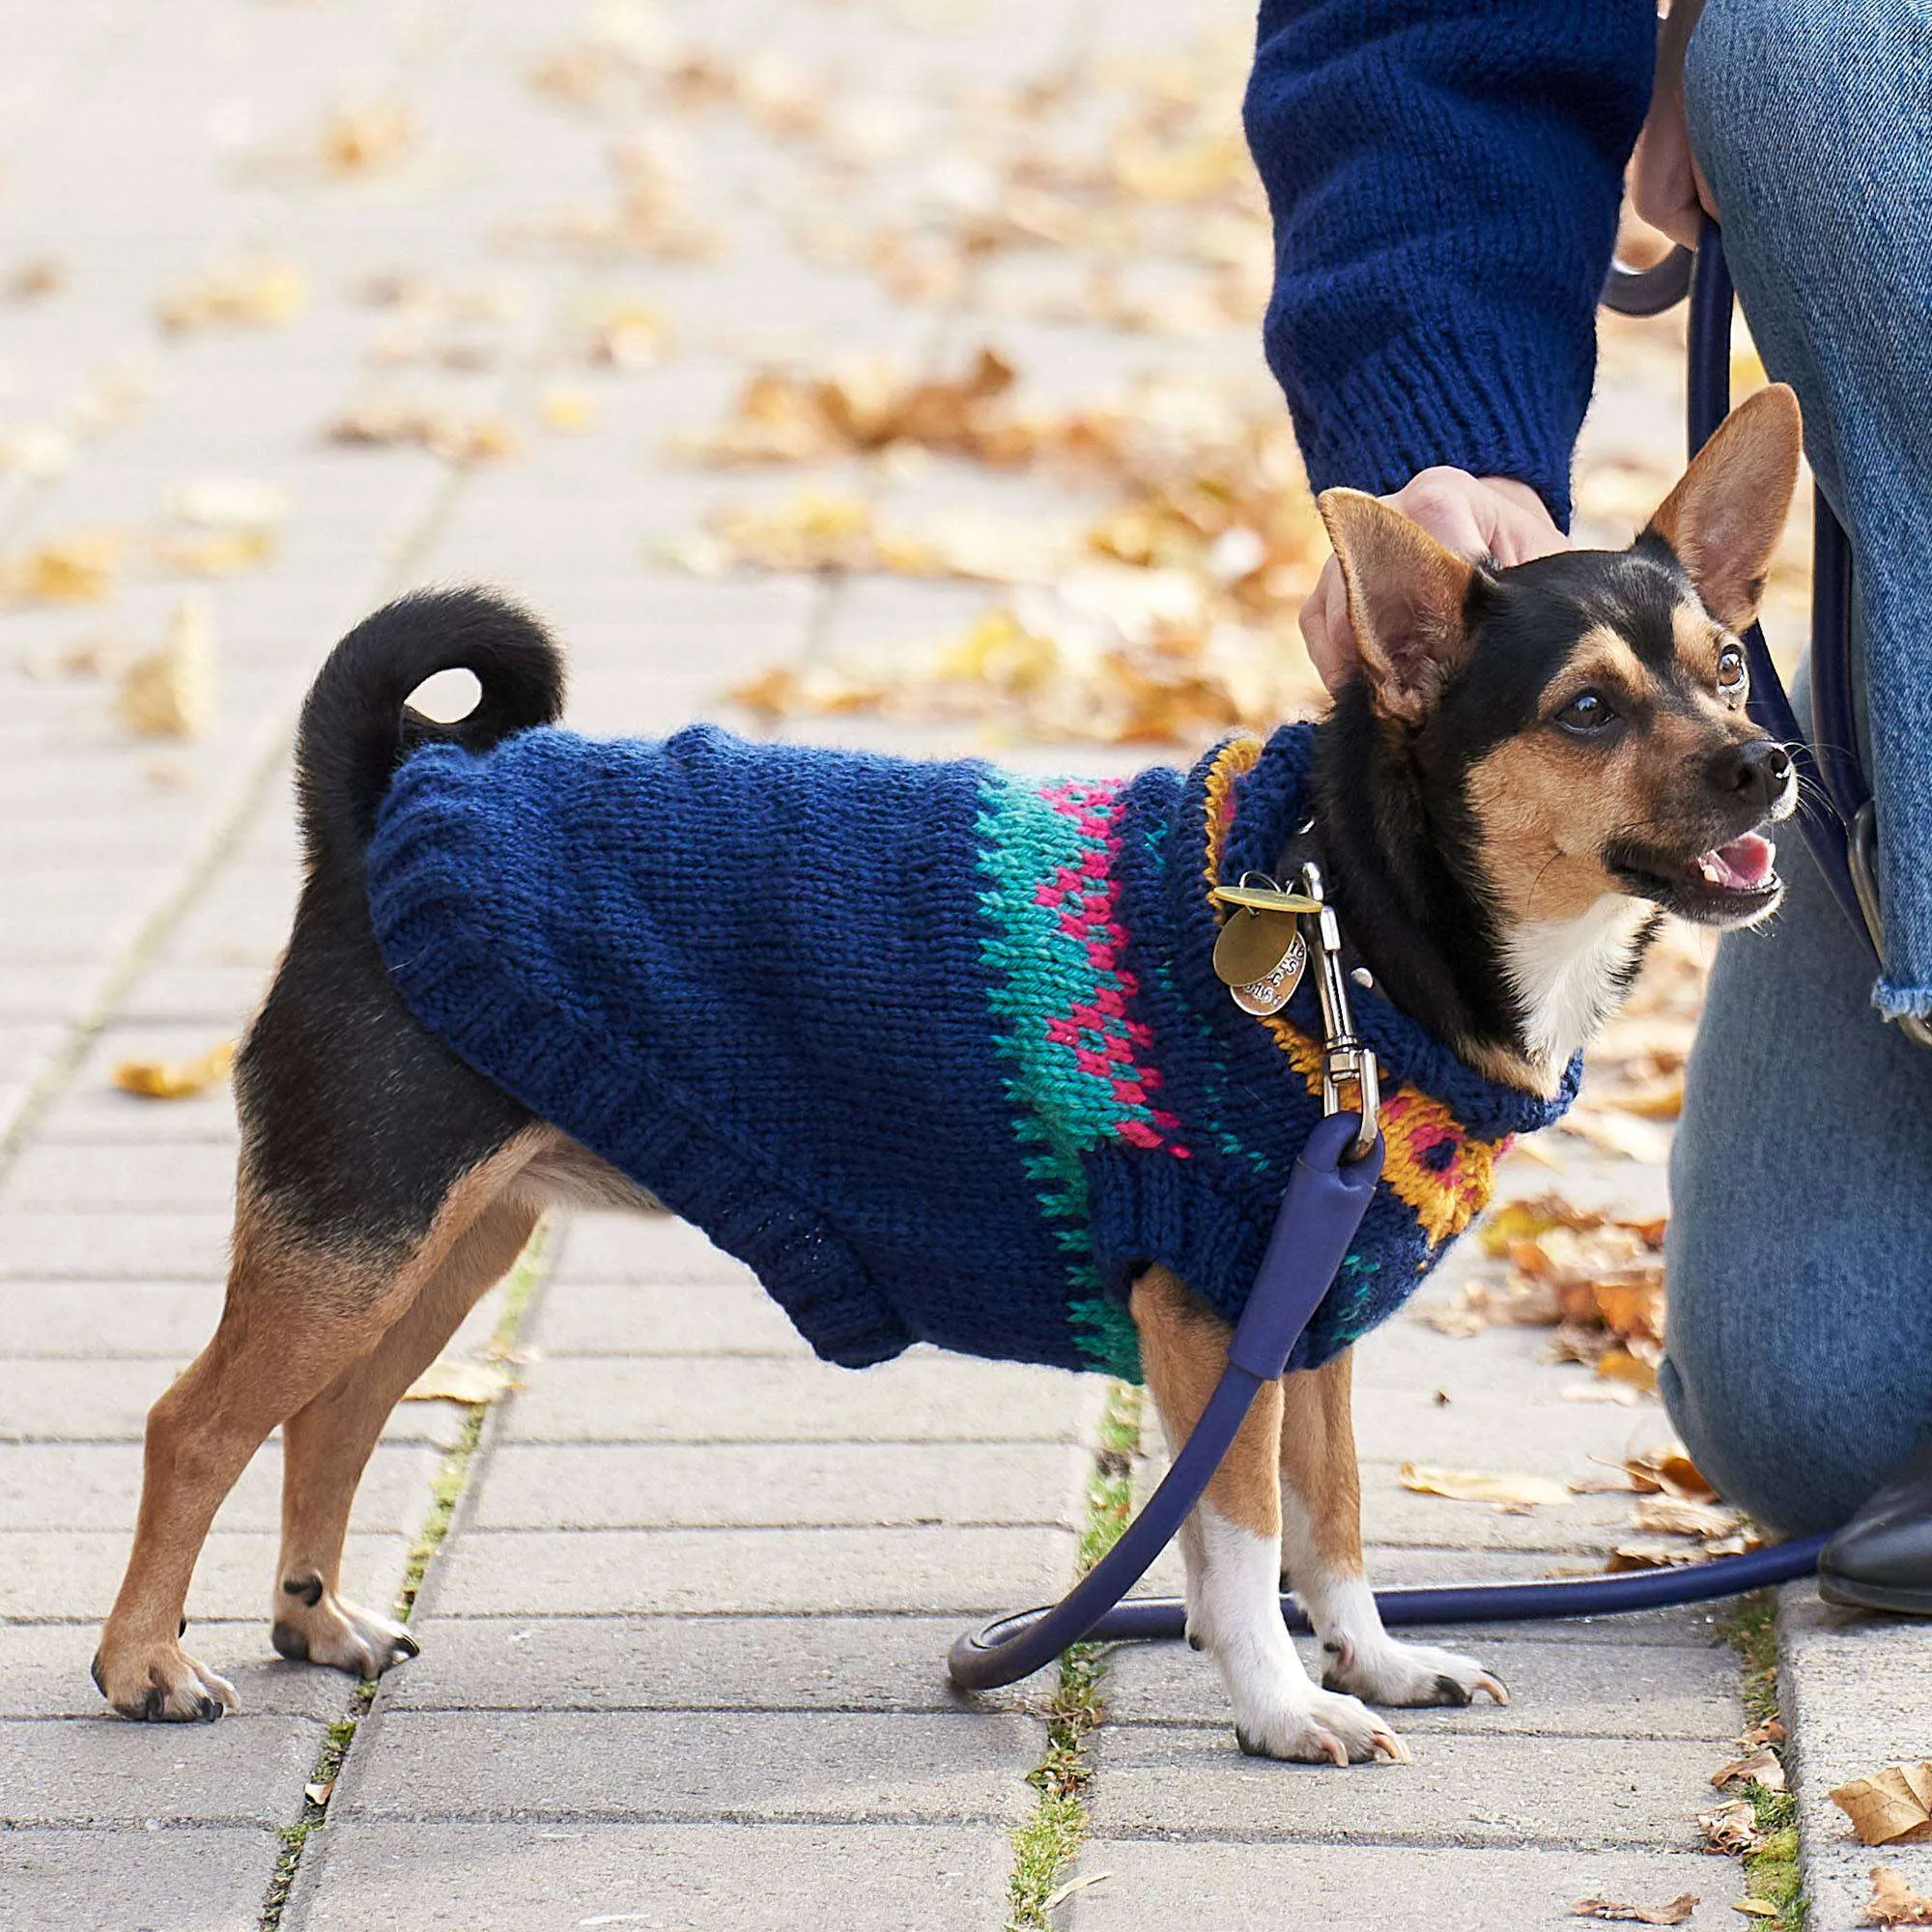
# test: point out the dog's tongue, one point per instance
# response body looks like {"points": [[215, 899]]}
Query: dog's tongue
{"points": [[1744, 865]]}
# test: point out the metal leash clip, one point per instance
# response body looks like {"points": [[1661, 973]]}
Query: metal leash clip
{"points": [[1348, 1075]]}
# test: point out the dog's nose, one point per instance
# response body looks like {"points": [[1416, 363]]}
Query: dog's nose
{"points": [[1754, 774]]}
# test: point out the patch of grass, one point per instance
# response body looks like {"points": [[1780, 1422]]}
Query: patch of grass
{"points": [[1050, 1840], [294, 1837], [1772, 1874], [445, 1490]]}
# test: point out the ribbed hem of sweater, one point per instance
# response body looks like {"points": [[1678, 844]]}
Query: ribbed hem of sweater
{"points": [[1417, 404], [459, 990]]}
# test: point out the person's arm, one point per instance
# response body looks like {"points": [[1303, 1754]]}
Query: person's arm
{"points": [[1444, 178]]}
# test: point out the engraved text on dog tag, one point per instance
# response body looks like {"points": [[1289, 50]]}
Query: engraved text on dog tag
{"points": [[1273, 991]]}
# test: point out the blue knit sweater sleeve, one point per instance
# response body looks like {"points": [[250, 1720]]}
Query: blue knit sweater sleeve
{"points": [[1444, 178]]}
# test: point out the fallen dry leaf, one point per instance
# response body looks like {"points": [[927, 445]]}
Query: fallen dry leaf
{"points": [[1481, 1486], [1666, 1467], [1890, 1807], [1671, 1516], [783, 417], [624, 334], [176, 1079], [1065, 1890], [76, 567], [214, 552], [1651, 1553], [566, 408], [1731, 1829], [318, 1791], [255, 292], [1893, 1902], [170, 691], [34, 278], [228, 503], [649, 211], [1621, 1365], [1617, 1132], [1756, 1908], [476, 1384], [456, 435], [1761, 1766], [1675, 1913], [362, 137]]}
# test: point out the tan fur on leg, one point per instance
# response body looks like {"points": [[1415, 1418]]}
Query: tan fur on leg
{"points": [[297, 1315], [327, 1444], [1231, 1542], [1321, 1557]]}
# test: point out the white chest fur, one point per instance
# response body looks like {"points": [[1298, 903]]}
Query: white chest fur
{"points": [[1568, 973]]}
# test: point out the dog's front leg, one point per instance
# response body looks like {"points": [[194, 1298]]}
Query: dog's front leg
{"points": [[1232, 1546], [1321, 1557]]}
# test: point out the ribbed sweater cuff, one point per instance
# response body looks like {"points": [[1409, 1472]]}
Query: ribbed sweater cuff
{"points": [[1417, 404]]}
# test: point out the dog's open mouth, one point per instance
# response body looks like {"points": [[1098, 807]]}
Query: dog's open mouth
{"points": [[1730, 885]]}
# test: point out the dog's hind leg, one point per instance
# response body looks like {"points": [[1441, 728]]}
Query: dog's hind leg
{"points": [[295, 1315], [327, 1444], [1321, 1557], [1232, 1547]]}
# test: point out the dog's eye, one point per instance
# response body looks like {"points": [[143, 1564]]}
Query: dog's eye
{"points": [[1586, 713], [1732, 674]]}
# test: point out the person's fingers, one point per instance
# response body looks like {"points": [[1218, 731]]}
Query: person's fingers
{"points": [[1324, 627], [1475, 515], [1515, 524]]}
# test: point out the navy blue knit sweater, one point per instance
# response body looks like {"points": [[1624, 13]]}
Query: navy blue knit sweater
{"points": [[937, 1050], [1444, 177]]}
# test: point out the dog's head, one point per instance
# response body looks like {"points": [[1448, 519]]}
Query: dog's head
{"points": [[1578, 722]]}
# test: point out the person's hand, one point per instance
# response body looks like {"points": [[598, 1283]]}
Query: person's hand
{"points": [[1474, 516], [1667, 187]]}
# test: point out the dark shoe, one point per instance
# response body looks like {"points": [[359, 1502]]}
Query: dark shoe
{"points": [[1882, 1559]]}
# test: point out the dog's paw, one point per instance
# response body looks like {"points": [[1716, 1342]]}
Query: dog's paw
{"points": [[1318, 1727], [162, 1684], [339, 1635], [1407, 1675]]}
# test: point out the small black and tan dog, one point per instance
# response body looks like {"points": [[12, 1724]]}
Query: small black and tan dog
{"points": [[1534, 766]]}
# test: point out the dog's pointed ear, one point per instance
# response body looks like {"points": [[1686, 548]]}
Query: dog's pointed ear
{"points": [[1723, 519], [1406, 599]]}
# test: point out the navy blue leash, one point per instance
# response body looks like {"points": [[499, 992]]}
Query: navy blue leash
{"points": [[1328, 1192]]}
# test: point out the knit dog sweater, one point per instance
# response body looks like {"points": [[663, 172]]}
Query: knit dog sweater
{"points": [[935, 1049]]}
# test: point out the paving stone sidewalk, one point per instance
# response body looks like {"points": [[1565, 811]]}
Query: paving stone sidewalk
{"points": [[684, 1628]]}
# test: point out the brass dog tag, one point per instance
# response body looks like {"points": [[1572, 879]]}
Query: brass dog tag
{"points": [[1274, 989], [1252, 945]]}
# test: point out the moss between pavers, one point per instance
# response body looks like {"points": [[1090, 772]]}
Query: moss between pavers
{"points": [[446, 1487], [1048, 1841], [1772, 1874]]}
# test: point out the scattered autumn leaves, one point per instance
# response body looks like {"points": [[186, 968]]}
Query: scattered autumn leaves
{"points": [[1892, 1806], [177, 1079], [1166, 616]]}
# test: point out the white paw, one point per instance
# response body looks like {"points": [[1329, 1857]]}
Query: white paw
{"points": [[1311, 1726], [1406, 1674]]}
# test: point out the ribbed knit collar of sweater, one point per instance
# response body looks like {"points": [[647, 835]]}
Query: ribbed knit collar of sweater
{"points": [[1267, 790]]}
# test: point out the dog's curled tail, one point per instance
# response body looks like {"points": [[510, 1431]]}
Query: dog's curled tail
{"points": [[357, 726]]}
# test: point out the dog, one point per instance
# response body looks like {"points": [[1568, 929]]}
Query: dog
{"points": [[1532, 767]]}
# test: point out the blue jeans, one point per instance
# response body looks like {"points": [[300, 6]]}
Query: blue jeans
{"points": [[1799, 1361]]}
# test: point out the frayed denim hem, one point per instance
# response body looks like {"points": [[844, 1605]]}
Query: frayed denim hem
{"points": [[1902, 1003]]}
